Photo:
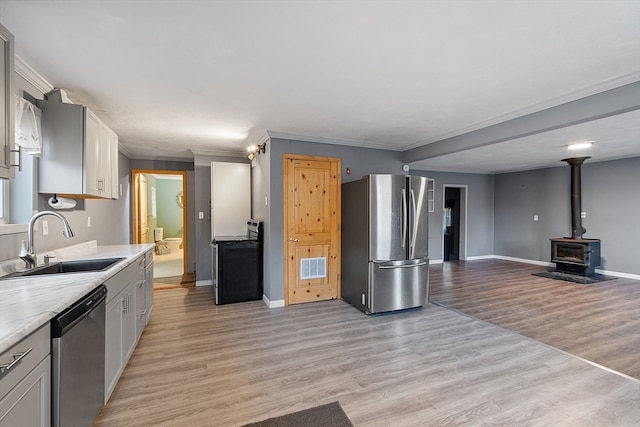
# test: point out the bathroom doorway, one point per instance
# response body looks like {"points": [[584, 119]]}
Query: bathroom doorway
{"points": [[159, 217]]}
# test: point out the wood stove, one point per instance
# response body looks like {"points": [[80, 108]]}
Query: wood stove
{"points": [[576, 255]]}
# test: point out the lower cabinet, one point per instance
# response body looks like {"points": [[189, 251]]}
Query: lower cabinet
{"points": [[148, 280], [128, 305], [25, 386], [120, 326]]}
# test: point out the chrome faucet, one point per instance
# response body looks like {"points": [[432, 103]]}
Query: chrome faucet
{"points": [[27, 251]]}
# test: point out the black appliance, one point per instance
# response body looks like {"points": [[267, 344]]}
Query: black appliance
{"points": [[237, 265], [576, 255]]}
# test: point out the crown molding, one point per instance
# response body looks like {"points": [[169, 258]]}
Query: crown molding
{"points": [[218, 153], [321, 140], [534, 108], [25, 71], [124, 150]]}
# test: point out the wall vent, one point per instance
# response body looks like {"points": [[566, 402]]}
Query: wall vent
{"points": [[313, 268]]}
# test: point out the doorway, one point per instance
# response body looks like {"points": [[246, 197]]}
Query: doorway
{"points": [[312, 228], [159, 216], [454, 223]]}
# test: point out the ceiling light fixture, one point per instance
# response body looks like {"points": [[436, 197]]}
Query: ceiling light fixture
{"points": [[255, 150], [581, 145]]}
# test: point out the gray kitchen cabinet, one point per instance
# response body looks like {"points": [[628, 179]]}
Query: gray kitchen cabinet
{"points": [[78, 154], [25, 381], [7, 101], [115, 178], [144, 295], [148, 279], [140, 298], [120, 328]]}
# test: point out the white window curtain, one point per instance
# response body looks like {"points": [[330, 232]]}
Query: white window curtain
{"points": [[28, 128]]}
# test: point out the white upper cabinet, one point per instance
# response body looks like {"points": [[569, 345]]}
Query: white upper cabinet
{"points": [[7, 101], [79, 152]]}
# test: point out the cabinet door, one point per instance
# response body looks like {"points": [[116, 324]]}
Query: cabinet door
{"points": [[115, 177], [148, 291], [6, 101], [104, 164], [92, 154], [114, 354], [129, 336], [29, 402], [141, 306]]}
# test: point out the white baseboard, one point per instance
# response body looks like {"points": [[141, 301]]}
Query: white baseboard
{"points": [[435, 261], [272, 304], [204, 283], [618, 274], [551, 264]]}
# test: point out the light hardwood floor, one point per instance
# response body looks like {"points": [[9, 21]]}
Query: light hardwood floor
{"points": [[599, 322], [199, 364]]}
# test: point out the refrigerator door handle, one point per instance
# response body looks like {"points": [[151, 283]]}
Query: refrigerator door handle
{"points": [[414, 229], [387, 267], [404, 218]]}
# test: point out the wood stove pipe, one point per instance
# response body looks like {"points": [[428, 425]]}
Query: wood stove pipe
{"points": [[577, 230]]}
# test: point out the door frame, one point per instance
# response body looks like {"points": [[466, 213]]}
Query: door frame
{"points": [[285, 235], [464, 197], [135, 232]]}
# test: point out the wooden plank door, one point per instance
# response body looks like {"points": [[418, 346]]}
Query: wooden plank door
{"points": [[312, 228]]}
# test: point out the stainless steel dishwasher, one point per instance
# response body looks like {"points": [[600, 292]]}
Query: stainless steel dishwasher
{"points": [[77, 358]]}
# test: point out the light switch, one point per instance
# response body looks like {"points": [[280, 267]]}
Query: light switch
{"points": [[583, 215], [88, 221], [535, 217], [200, 215]]}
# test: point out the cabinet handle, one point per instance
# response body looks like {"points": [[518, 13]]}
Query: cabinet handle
{"points": [[17, 358], [142, 312], [125, 304]]}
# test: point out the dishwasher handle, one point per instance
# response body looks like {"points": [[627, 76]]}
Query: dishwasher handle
{"points": [[78, 311]]}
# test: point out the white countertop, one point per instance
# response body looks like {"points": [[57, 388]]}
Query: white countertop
{"points": [[29, 302]]}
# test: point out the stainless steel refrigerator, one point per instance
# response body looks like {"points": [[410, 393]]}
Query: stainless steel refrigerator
{"points": [[385, 264]]}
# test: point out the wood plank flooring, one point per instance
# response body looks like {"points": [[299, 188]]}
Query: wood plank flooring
{"points": [[598, 322], [199, 364]]}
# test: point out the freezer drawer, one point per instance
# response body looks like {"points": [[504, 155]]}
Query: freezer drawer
{"points": [[397, 285]]}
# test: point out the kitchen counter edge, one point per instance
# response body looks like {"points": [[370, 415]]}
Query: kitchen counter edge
{"points": [[26, 304]]}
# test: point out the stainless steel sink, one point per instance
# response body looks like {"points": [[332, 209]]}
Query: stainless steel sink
{"points": [[79, 266]]}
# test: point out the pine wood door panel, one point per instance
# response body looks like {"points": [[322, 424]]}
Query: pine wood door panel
{"points": [[312, 226]]}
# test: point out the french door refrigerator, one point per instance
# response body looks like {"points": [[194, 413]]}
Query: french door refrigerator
{"points": [[385, 264]]}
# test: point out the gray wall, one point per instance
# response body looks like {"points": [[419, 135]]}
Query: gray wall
{"points": [[361, 161], [610, 198], [480, 221]]}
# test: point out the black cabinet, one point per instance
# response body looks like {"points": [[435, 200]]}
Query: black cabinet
{"points": [[238, 271]]}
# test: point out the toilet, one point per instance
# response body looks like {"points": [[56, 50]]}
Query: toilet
{"points": [[174, 243]]}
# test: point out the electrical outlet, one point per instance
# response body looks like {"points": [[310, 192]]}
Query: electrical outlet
{"points": [[535, 217], [88, 221], [583, 215], [45, 228]]}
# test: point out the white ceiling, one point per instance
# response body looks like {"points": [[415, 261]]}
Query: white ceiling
{"points": [[174, 76]]}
